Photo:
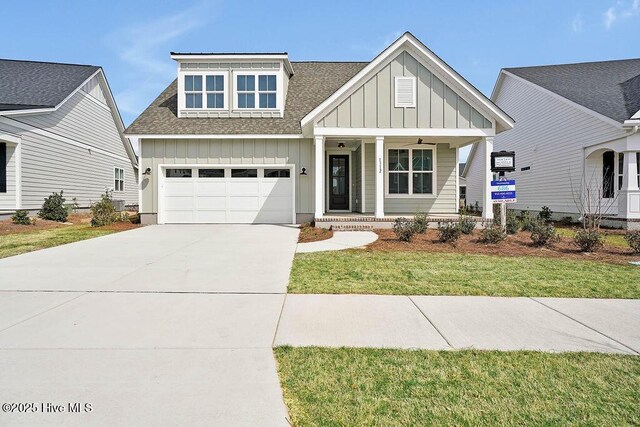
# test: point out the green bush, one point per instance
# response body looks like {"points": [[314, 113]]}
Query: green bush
{"points": [[420, 223], [53, 208], [543, 234], [588, 240], [404, 229], [527, 222], [513, 224], [448, 232], [466, 224], [545, 214], [103, 212], [492, 235], [633, 240], [21, 217]]}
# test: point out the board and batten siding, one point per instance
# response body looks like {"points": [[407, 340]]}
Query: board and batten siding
{"points": [[444, 201], [356, 163], [154, 152], [549, 137], [372, 105], [50, 164]]}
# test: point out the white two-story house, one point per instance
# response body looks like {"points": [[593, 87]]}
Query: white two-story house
{"points": [[257, 138]]}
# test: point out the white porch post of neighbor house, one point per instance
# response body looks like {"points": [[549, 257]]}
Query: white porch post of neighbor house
{"points": [[487, 204], [629, 201], [319, 175], [379, 212]]}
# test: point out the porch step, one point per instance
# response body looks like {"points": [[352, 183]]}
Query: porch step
{"points": [[352, 227]]}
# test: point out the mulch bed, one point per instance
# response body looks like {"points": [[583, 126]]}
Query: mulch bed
{"points": [[514, 245], [8, 227], [313, 234]]}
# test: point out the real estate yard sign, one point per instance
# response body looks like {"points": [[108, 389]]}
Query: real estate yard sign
{"points": [[503, 191]]}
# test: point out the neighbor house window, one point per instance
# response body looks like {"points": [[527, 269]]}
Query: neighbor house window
{"points": [[410, 171], [118, 183], [620, 171], [265, 91], [204, 91]]}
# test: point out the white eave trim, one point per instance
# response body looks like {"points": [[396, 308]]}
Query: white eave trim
{"points": [[401, 132], [216, 136], [414, 43], [235, 58]]}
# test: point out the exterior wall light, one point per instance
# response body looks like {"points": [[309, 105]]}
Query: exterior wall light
{"points": [[303, 171], [341, 145], [147, 171]]}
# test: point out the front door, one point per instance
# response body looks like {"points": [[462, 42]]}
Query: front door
{"points": [[339, 182]]}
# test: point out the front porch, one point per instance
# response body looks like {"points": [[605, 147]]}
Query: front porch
{"points": [[371, 181]]}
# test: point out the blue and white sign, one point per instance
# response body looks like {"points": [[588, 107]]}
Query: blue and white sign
{"points": [[503, 191]]}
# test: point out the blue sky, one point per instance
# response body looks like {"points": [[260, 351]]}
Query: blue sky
{"points": [[131, 40]]}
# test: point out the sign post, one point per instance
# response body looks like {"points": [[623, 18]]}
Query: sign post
{"points": [[503, 191]]}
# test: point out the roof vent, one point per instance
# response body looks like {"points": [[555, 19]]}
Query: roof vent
{"points": [[405, 92]]}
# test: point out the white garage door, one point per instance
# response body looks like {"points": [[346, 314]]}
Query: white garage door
{"points": [[211, 194]]}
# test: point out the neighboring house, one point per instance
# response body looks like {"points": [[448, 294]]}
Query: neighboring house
{"points": [[60, 130], [577, 139], [462, 186], [250, 138]]}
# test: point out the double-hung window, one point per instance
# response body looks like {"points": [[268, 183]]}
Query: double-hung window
{"points": [[193, 91], [262, 95], [621, 169], [118, 181], [214, 87], [410, 171]]}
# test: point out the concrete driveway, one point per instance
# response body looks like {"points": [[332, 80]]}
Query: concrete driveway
{"points": [[163, 325]]}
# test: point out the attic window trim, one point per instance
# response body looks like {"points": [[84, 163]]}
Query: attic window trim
{"points": [[257, 91], [397, 94]]}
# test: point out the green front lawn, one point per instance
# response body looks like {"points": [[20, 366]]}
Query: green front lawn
{"points": [[424, 273], [19, 243], [354, 387]]}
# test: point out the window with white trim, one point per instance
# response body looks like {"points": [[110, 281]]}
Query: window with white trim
{"points": [[410, 171], [209, 95], [118, 179], [263, 95], [620, 171]]}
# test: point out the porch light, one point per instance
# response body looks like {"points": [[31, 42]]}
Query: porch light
{"points": [[147, 171], [340, 144], [303, 171]]}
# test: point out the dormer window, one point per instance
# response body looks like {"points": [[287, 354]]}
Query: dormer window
{"points": [[210, 96], [265, 91]]}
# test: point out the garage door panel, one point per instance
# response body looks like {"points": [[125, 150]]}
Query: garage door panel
{"points": [[218, 188], [273, 217], [244, 203], [179, 203], [280, 187], [179, 216], [244, 188], [211, 217], [242, 217], [178, 188], [217, 203], [282, 204]]}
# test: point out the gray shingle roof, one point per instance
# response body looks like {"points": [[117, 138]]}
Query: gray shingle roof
{"points": [[611, 88], [312, 83], [29, 84]]}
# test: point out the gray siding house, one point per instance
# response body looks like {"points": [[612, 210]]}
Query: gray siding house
{"points": [[250, 138], [577, 142], [60, 130]]}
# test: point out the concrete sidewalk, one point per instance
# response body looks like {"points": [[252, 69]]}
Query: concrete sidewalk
{"points": [[487, 323]]}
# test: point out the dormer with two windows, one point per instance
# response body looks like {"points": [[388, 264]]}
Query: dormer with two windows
{"points": [[232, 85]]}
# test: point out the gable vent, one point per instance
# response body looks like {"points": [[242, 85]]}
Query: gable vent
{"points": [[405, 92]]}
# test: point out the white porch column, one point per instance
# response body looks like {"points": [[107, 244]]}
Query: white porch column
{"points": [[487, 204], [319, 172], [379, 212], [629, 199]]}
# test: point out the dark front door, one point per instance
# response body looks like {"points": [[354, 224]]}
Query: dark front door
{"points": [[338, 182]]}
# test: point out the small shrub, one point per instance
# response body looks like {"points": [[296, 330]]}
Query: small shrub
{"points": [[21, 217], [543, 234], [54, 209], [467, 225], [566, 221], [103, 212], [588, 240], [448, 232], [492, 235], [420, 223], [513, 224], [633, 240], [404, 229], [545, 214], [527, 222]]}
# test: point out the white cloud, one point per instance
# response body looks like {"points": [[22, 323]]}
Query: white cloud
{"points": [[577, 23], [144, 49], [621, 11]]}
